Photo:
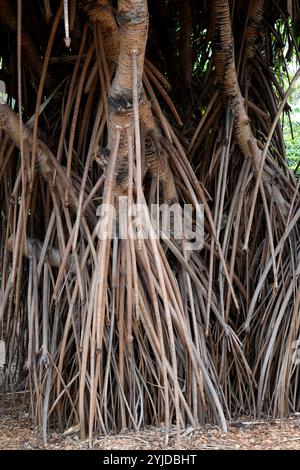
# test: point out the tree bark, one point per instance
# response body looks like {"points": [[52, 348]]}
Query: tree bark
{"points": [[224, 58]]}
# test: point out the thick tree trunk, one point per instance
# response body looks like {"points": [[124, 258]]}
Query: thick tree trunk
{"points": [[101, 17], [133, 20], [255, 28], [224, 58]]}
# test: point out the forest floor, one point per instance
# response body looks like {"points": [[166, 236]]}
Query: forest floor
{"points": [[17, 432]]}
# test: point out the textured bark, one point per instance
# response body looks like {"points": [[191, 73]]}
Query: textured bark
{"points": [[133, 24], [100, 13], [254, 33], [224, 58], [132, 17]]}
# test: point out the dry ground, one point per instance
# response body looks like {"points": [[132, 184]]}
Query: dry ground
{"points": [[16, 432]]}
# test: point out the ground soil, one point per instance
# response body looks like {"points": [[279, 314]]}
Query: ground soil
{"points": [[17, 432]]}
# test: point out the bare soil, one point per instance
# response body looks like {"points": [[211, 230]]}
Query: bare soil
{"points": [[17, 432]]}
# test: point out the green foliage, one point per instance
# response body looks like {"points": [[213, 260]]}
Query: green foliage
{"points": [[292, 142], [291, 129]]}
